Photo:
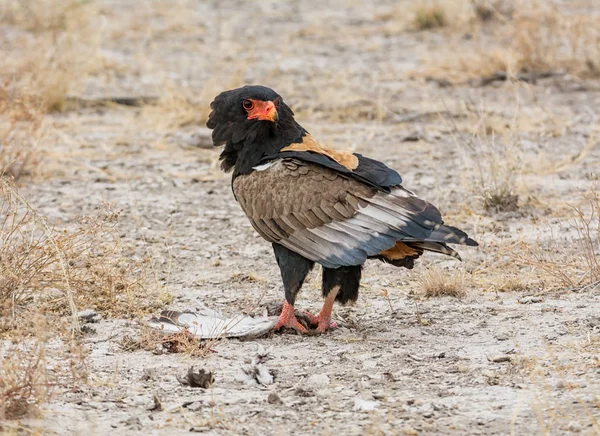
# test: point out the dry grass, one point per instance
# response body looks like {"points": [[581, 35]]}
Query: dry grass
{"points": [[523, 40], [489, 10], [436, 283], [40, 15], [158, 342], [60, 41], [492, 158], [21, 127], [179, 108], [430, 17], [512, 284], [83, 266], [51, 46], [56, 272], [587, 225], [35, 363], [565, 259], [547, 38], [569, 405]]}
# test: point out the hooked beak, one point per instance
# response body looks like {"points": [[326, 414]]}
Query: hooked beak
{"points": [[264, 110]]}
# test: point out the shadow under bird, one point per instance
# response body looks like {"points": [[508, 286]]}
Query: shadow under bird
{"points": [[314, 204]]}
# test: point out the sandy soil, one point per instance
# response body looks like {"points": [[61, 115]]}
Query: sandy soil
{"points": [[523, 361]]}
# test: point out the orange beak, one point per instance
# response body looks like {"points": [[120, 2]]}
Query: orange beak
{"points": [[263, 110]]}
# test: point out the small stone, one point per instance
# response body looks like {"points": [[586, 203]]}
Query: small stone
{"points": [[148, 374], [198, 379], [304, 393], [273, 398], [499, 359], [389, 377], [369, 364], [427, 410], [530, 299], [378, 395], [193, 406], [317, 380], [133, 421], [89, 315], [502, 336], [365, 405]]}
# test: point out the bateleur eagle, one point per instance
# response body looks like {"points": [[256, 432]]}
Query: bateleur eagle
{"points": [[314, 204]]}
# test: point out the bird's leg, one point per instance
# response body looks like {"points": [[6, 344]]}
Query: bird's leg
{"points": [[294, 268], [341, 285], [288, 319], [323, 319]]}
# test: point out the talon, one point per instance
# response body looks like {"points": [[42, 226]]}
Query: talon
{"points": [[288, 319], [322, 322], [314, 320]]}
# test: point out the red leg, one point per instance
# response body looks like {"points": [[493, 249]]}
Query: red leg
{"points": [[288, 319], [323, 319]]}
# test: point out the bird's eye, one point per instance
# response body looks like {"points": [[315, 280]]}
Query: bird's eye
{"points": [[248, 104]]}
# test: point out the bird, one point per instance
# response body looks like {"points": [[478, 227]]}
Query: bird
{"points": [[318, 205]]}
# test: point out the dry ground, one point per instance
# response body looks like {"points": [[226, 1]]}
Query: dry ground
{"points": [[487, 109]]}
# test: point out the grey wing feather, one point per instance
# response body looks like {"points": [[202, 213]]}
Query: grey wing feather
{"points": [[337, 221]]}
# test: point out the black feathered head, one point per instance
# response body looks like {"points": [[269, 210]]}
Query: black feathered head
{"points": [[250, 121]]}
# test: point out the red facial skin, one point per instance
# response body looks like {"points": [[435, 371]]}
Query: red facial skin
{"points": [[261, 110]]}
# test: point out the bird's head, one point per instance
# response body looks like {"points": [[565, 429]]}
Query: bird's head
{"points": [[247, 118]]}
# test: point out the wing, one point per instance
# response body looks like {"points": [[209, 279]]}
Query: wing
{"points": [[353, 165], [331, 218]]}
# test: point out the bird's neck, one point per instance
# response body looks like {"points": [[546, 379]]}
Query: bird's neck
{"points": [[264, 145]]}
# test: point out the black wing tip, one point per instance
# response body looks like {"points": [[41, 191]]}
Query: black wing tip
{"points": [[458, 236], [380, 173], [471, 242]]}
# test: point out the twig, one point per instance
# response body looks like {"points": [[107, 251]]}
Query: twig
{"points": [[295, 385]]}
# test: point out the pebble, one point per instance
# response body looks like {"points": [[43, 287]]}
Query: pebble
{"points": [[273, 398], [499, 359], [530, 299], [318, 380], [365, 405], [89, 315], [427, 410], [369, 364], [133, 421], [574, 427], [502, 336]]}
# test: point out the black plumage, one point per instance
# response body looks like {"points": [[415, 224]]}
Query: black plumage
{"points": [[321, 205]]}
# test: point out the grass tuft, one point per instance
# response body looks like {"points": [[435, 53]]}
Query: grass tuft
{"points": [[524, 41], [55, 44], [34, 364], [493, 159], [85, 265], [571, 262], [438, 283], [21, 128], [430, 17], [158, 342], [490, 10], [499, 198]]}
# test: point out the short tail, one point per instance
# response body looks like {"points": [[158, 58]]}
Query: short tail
{"points": [[440, 237]]}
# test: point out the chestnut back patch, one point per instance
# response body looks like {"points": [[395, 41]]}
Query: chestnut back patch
{"points": [[344, 158]]}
